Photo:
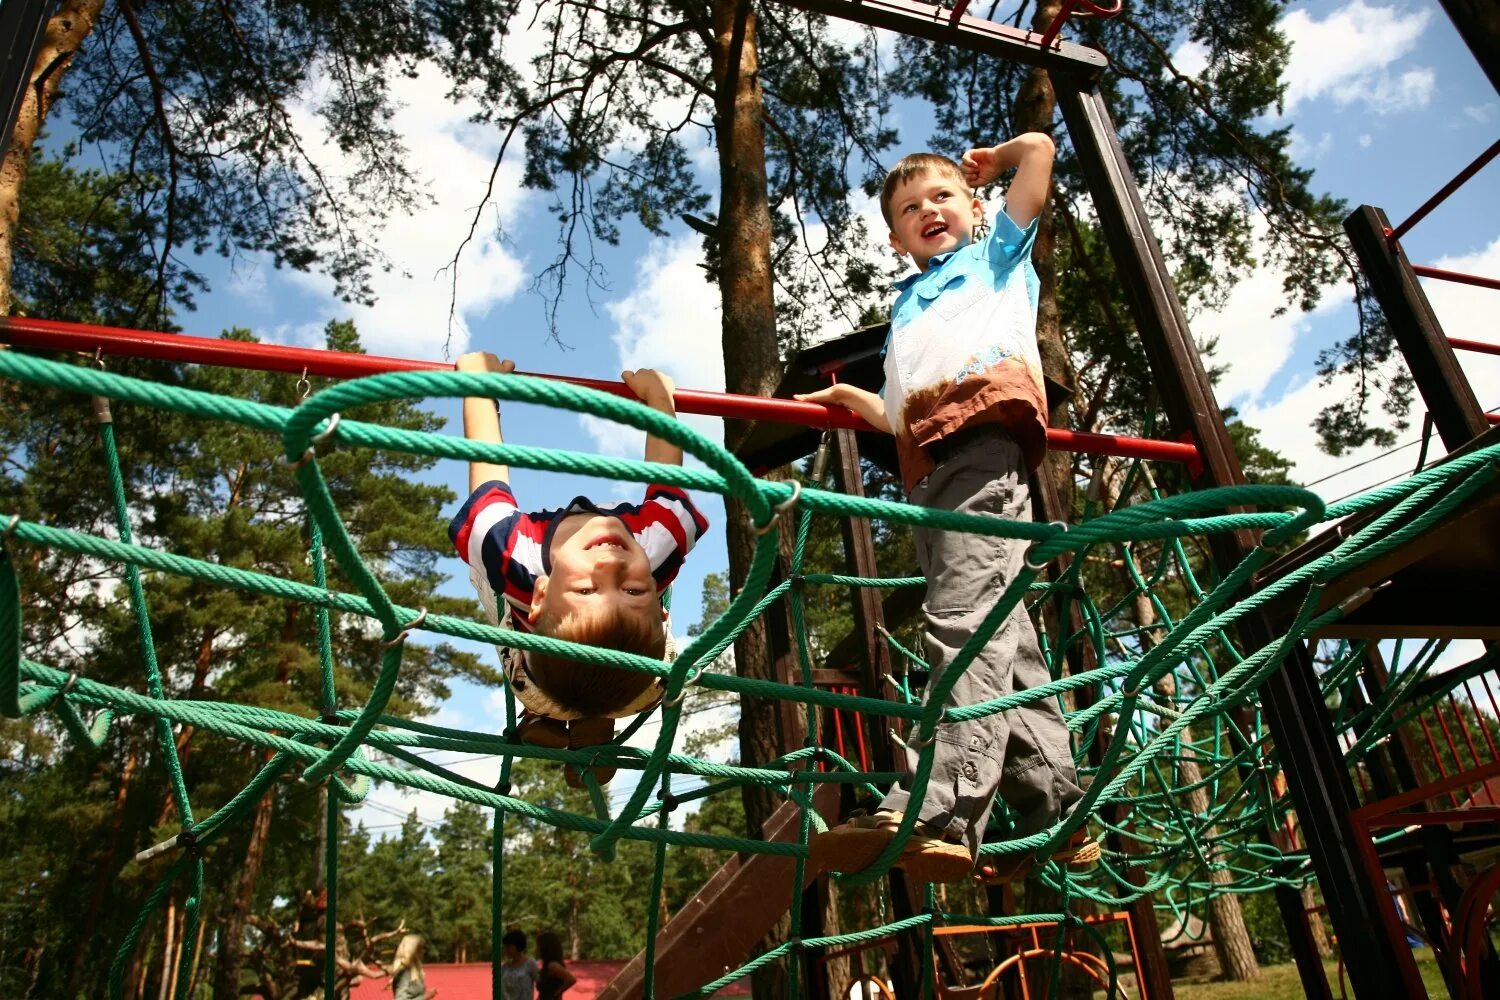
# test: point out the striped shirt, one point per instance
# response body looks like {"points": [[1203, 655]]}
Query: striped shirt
{"points": [[507, 548]]}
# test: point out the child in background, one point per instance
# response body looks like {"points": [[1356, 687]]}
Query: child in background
{"points": [[518, 971], [555, 978], [964, 398], [586, 573], [407, 980]]}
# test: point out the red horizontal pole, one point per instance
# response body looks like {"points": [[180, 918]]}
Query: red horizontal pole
{"points": [[1458, 276], [117, 341], [1493, 418], [1459, 344], [1444, 192]]}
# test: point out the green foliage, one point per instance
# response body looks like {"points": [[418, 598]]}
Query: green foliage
{"points": [[613, 107], [219, 493]]}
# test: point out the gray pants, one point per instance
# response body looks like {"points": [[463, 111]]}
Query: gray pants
{"points": [[1021, 753]]}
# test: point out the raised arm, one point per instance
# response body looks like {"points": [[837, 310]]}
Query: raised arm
{"points": [[482, 418], [655, 389], [1031, 154]]}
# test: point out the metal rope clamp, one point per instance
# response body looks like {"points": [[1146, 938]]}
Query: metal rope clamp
{"points": [[1063, 525], [780, 509], [401, 636], [317, 441]]}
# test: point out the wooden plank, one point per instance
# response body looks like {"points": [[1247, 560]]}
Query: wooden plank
{"points": [[720, 926]]}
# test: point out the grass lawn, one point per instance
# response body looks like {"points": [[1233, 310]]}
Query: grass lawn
{"points": [[1280, 982]]}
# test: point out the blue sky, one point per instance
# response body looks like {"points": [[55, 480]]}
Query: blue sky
{"points": [[1386, 104]]}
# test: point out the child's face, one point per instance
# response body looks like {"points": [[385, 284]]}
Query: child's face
{"points": [[596, 564], [933, 213]]}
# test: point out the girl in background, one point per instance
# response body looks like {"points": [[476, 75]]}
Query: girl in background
{"points": [[406, 970], [555, 978]]}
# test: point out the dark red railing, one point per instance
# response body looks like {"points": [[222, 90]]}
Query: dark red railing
{"points": [[1443, 192], [88, 339], [1393, 235]]}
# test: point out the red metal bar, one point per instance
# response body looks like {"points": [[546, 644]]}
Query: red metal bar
{"points": [[1493, 418], [1463, 728], [958, 11], [1458, 276], [1472, 814], [1431, 790], [1478, 346], [1444, 192], [1369, 858], [1437, 761], [1093, 10], [87, 339], [1050, 34]]}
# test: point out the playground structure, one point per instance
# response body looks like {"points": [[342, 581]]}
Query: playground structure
{"points": [[1306, 782]]}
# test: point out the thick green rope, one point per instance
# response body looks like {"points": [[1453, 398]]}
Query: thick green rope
{"points": [[1145, 733]]}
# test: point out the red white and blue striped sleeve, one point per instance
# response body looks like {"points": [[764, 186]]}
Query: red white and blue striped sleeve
{"points": [[667, 526], [502, 542]]}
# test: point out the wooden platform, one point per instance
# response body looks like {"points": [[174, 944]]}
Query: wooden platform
{"points": [[1440, 585]]}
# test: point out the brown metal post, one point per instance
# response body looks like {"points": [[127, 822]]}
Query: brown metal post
{"points": [[875, 666], [859, 551], [1293, 702], [1440, 378]]}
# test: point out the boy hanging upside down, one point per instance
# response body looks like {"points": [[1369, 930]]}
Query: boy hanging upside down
{"points": [[585, 573], [964, 397]]}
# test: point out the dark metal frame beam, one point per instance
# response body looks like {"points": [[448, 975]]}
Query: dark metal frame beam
{"points": [[932, 22], [1478, 24], [1440, 378], [1310, 756]]}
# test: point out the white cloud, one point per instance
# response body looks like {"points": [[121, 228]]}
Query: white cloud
{"points": [[1385, 95], [1305, 150], [453, 158], [1190, 58], [1347, 55], [1365, 140], [1480, 112], [669, 321]]}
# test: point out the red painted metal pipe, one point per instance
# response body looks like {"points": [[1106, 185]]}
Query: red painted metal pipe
{"points": [[1091, 8], [1444, 192], [1479, 346], [1458, 276], [87, 339]]}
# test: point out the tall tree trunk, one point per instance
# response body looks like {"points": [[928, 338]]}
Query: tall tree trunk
{"points": [[106, 872], [752, 362], [1225, 919], [231, 957], [164, 991], [64, 34], [1315, 922], [1035, 110]]}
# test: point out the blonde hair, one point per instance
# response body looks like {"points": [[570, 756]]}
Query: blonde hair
{"points": [[408, 956], [590, 688], [915, 165]]}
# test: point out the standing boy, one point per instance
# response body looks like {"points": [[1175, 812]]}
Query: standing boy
{"points": [[964, 398]]}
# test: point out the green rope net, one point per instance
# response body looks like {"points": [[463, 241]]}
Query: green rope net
{"points": [[1179, 769]]}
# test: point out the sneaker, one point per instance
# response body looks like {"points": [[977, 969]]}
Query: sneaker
{"points": [[542, 731], [853, 846], [584, 733]]}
